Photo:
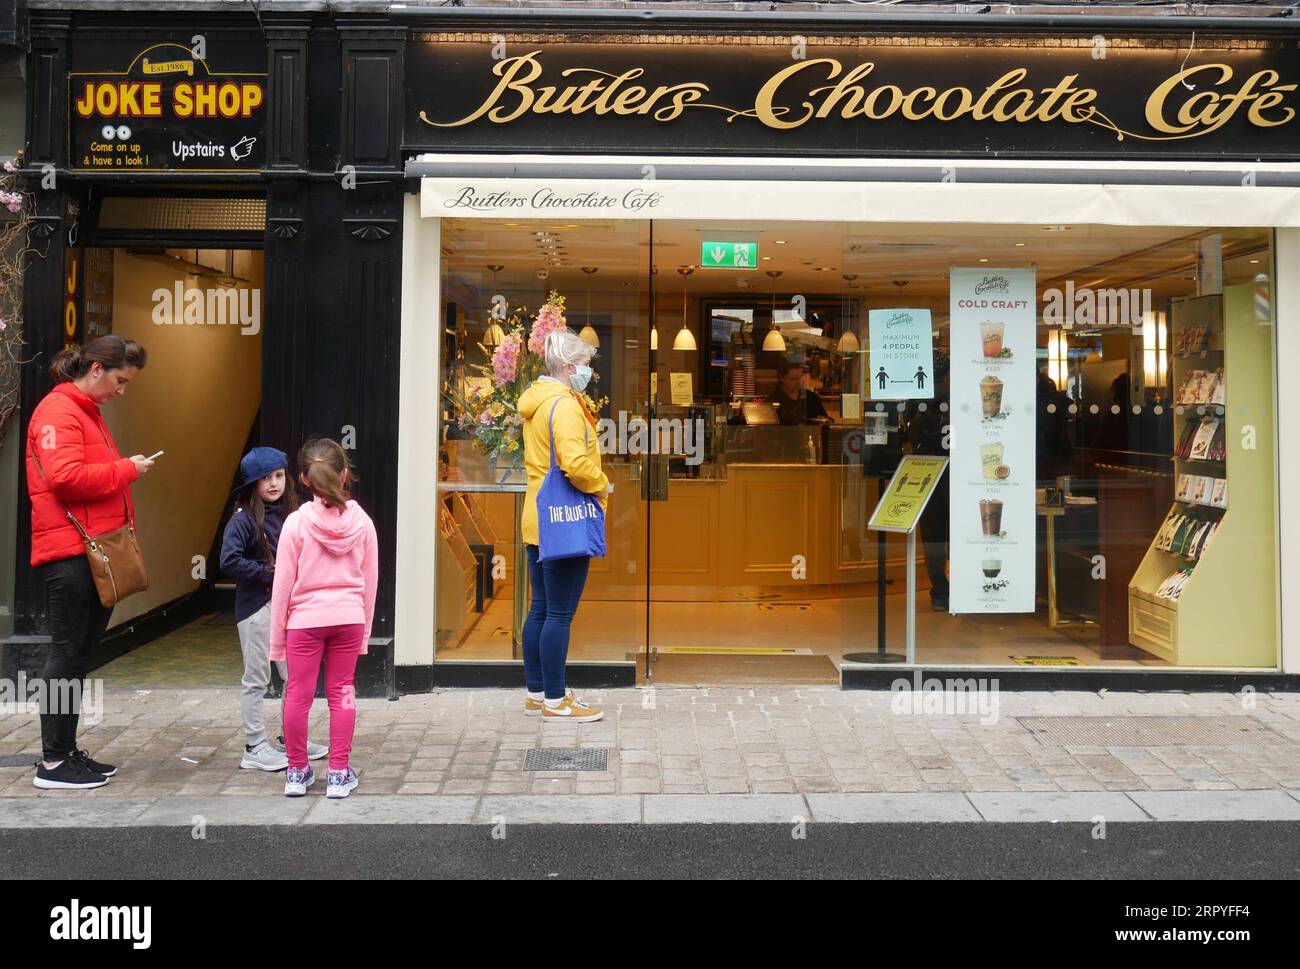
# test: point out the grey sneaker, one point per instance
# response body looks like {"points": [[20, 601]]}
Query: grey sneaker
{"points": [[341, 783], [314, 751], [263, 757], [297, 780]]}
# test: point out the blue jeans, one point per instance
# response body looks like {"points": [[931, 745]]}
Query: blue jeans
{"points": [[556, 588]]}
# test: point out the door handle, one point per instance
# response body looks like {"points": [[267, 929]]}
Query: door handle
{"points": [[654, 477]]}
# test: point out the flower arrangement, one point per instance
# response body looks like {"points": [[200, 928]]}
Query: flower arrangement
{"points": [[489, 409], [13, 252]]}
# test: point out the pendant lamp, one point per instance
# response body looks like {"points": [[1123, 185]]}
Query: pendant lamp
{"points": [[495, 335], [774, 342], [587, 334], [685, 339], [848, 339]]}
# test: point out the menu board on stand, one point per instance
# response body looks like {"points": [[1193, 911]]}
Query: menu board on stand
{"points": [[991, 492]]}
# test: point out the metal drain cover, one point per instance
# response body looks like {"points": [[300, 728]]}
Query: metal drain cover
{"points": [[1150, 731], [565, 758], [19, 760]]}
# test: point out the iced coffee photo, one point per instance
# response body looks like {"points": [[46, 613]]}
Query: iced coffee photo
{"points": [[991, 396], [991, 517], [991, 568]]}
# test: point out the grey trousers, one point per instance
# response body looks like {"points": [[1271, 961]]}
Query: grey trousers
{"points": [[255, 641]]}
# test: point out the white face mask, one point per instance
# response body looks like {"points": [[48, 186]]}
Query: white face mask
{"points": [[580, 377]]}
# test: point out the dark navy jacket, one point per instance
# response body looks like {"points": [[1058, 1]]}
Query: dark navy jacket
{"points": [[241, 558]]}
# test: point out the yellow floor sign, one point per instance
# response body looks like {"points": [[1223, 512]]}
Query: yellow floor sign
{"points": [[1045, 661]]}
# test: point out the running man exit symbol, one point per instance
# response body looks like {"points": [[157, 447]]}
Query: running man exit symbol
{"points": [[728, 255]]}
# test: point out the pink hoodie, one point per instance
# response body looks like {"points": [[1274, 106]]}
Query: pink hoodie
{"points": [[326, 570]]}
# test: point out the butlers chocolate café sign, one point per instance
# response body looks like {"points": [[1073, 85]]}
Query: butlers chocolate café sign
{"points": [[1033, 97]]}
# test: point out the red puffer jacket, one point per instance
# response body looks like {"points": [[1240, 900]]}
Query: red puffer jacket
{"points": [[83, 471]]}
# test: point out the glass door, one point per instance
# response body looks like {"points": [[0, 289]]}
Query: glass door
{"points": [[497, 277], [761, 568]]}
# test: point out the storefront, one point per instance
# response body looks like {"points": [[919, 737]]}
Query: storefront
{"points": [[225, 187], [1061, 260], [1060, 254]]}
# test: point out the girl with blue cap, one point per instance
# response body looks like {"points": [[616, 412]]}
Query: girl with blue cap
{"points": [[263, 500]]}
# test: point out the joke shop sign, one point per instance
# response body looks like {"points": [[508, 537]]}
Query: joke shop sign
{"points": [[169, 107]]}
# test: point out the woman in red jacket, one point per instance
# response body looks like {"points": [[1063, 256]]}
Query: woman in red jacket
{"points": [[80, 472]]}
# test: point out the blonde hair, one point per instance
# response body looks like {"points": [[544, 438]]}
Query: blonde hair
{"points": [[323, 463], [564, 347]]}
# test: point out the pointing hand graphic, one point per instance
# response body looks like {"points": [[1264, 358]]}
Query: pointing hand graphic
{"points": [[242, 148]]}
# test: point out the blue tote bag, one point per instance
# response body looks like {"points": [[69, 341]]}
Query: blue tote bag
{"points": [[570, 522]]}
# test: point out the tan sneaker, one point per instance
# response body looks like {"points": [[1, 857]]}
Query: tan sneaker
{"points": [[533, 708], [573, 710]]}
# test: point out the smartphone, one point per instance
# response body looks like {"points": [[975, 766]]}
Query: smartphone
{"points": [[154, 456]]}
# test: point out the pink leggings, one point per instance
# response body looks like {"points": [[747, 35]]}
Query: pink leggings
{"points": [[340, 646]]}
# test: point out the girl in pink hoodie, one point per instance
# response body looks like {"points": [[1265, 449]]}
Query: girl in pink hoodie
{"points": [[322, 605]]}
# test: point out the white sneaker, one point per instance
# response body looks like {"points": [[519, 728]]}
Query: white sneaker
{"points": [[341, 783], [297, 780], [314, 751], [263, 757]]}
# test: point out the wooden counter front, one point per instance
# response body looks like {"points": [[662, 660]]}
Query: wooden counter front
{"points": [[775, 527]]}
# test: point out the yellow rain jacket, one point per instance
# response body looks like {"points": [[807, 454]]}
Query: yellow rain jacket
{"points": [[576, 451]]}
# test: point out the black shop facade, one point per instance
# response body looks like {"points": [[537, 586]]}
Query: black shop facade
{"points": [[390, 195]]}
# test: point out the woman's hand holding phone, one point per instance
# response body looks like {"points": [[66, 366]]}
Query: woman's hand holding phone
{"points": [[142, 464]]}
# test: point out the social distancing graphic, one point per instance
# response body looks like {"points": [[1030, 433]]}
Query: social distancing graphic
{"points": [[901, 365]]}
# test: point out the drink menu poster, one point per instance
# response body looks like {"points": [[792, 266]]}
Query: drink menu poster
{"points": [[991, 492]]}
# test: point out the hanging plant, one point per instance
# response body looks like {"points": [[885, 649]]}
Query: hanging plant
{"points": [[13, 258]]}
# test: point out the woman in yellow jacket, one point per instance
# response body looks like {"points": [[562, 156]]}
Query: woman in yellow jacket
{"points": [[557, 584]]}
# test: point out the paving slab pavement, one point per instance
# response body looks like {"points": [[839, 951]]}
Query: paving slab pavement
{"points": [[733, 755]]}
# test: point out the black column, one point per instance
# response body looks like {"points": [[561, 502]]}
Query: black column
{"points": [[47, 67], [369, 263], [333, 270]]}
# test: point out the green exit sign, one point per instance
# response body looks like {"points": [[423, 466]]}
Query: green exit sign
{"points": [[728, 255]]}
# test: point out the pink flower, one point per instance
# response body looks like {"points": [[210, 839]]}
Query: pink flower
{"points": [[549, 319], [13, 201], [505, 360], [10, 167]]}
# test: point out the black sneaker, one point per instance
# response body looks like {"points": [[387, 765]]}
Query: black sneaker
{"points": [[94, 766], [69, 775]]}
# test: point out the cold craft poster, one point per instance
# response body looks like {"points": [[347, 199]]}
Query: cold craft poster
{"points": [[994, 392], [902, 354]]}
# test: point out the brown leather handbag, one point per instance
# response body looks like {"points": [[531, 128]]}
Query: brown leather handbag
{"points": [[116, 562]]}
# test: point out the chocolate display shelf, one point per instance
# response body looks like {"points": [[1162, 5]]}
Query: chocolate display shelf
{"points": [[1224, 612]]}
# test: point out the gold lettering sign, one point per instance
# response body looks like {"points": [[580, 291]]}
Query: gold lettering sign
{"points": [[822, 88], [166, 67]]}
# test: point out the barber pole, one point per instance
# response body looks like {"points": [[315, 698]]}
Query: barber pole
{"points": [[1263, 305]]}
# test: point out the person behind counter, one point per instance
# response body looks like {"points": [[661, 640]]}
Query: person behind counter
{"points": [[796, 403]]}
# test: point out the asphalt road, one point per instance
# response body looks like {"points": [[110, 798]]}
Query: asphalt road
{"points": [[1196, 851]]}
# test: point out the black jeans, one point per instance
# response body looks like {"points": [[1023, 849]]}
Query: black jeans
{"points": [[934, 540], [77, 623]]}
